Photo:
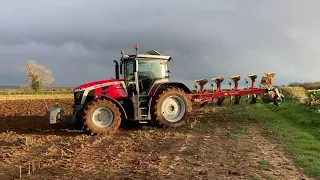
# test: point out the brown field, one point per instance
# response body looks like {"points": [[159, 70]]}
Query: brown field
{"points": [[214, 146], [30, 96]]}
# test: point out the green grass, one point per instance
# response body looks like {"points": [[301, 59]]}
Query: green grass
{"points": [[265, 165], [297, 128], [235, 132]]}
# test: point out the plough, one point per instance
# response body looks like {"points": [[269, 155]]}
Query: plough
{"points": [[266, 89]]}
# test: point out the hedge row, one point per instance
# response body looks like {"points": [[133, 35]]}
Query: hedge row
{"points": [[310, 97], [306, 85], [313, 97], [298, 93]]}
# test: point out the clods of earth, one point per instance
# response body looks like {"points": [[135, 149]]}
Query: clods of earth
{"points": [[217, 143]]}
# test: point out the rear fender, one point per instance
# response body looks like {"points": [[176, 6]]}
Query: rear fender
{"points": [[169, 84], [102, 96]]}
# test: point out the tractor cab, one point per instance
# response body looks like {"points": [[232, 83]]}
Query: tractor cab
{"points": [[141, 71]]}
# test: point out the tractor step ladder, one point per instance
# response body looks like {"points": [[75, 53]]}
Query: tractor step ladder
{"points": [[143, 121], [143, 107], [140, 105]]}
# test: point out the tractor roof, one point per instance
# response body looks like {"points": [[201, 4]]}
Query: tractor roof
{"points": [[153, 54]]}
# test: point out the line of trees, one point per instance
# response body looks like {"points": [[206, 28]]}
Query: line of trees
{"points": [[306, 85]]}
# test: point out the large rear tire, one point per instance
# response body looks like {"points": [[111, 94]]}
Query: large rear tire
{"points": [[101, 117], [171, 107]]}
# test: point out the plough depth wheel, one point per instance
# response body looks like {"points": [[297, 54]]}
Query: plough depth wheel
{"points": [[278, 100]]}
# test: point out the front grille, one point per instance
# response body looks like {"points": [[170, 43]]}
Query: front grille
{"points": [[78, 96]]}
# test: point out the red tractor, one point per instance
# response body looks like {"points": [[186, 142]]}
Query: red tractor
{"points": [[145, 94]]}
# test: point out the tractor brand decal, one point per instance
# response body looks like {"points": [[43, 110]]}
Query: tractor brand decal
{"points": [[110, 83], [98, 86]]}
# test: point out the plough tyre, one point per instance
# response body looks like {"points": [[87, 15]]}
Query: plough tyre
{"points": [[278, 100], [171, 107], [101, 117]]}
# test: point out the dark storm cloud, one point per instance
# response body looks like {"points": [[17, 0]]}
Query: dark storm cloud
{"points": [[79, 39]]}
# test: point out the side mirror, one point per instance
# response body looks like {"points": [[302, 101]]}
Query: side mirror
{"points": [[168, 71]]}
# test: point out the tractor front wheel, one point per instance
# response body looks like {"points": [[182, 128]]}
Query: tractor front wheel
{"points": [[101, 117], [172, 107]]}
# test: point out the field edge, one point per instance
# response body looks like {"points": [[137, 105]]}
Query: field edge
{"points": [[296, 129]]}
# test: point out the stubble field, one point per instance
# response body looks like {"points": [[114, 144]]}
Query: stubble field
{"points": [[219, 143]]}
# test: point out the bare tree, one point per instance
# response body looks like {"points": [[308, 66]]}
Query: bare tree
{"points": [[37, 75]]}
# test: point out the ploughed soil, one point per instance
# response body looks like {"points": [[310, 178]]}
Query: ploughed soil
{"points": [[218, 143]]}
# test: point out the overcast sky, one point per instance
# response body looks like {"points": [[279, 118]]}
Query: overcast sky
{"points": [[78, 39]]}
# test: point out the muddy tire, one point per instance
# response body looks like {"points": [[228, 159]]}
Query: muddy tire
{"points": [[171, 108], [101, 117]]}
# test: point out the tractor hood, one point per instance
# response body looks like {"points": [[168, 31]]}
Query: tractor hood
{"points": [[95, 83]]}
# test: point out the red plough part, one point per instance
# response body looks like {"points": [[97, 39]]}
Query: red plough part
{"points": [[266, 90]]}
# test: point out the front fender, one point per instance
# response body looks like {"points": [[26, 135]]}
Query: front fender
{"points": [[114, 101]]}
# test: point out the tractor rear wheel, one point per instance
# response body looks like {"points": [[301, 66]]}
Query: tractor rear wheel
{"points": [[171, 107], [101, 117]]}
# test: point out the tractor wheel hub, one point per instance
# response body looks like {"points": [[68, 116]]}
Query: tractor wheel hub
{"points": [[103, 117], [173, 108]]}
